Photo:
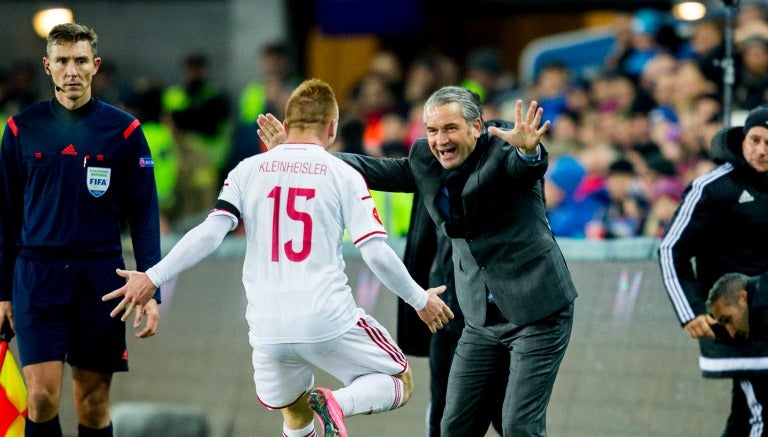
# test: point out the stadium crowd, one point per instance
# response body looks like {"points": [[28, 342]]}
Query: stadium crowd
{"points": [[625, 139]]}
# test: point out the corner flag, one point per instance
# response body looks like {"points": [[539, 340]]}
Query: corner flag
{"points": [[13, 394]]}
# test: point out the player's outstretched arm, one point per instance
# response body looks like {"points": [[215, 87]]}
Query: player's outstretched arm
{"points": [[385, 264], [193, 247]]}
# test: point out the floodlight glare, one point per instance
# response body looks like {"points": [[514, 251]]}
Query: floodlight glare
{"points": [[45, 19]]}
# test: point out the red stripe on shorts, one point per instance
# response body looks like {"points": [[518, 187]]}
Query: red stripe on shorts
{"points": [[381, 340]]}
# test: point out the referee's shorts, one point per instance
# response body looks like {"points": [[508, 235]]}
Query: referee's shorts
{"points": [[59, 314]]}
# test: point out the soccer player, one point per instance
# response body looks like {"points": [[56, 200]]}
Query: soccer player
{"points": [[72, 170], [295, 202]]}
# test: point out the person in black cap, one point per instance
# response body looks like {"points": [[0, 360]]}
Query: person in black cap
{"points": [[721, 226]]}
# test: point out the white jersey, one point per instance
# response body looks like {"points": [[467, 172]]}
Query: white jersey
{"points": [[295, 202]]}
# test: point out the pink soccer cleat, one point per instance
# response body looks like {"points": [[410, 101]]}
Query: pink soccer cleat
{"points": [[329, 412]]}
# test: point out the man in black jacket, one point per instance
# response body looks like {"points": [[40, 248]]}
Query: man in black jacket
{"points": [[739, 303], [722, 224]]}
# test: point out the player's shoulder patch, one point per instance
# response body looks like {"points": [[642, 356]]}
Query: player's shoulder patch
{"points": [[146, 162]]}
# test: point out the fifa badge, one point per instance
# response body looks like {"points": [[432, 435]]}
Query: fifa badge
{"points": [[97, 180]]}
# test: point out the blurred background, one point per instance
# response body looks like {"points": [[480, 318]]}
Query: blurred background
{"points": [[634, 90]]}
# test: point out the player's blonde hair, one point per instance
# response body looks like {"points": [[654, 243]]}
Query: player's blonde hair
{"points": [[312, 105]]}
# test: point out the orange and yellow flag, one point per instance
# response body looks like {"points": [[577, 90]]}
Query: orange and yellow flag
{"points": [[13, 395]]}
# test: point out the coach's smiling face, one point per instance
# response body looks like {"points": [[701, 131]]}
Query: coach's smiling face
{"points": [[451, 138]]}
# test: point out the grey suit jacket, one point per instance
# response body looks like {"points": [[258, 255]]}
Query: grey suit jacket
{"points": [[507, 248]]}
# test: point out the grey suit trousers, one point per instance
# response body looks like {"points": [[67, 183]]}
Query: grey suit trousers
{"points": [[535, 352]]}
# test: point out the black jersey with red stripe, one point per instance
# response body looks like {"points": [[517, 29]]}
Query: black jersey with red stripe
{"points": [[69, 181]]}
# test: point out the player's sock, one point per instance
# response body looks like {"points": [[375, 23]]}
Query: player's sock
{"points": [[51, 428], [309, 431], [368, 394], [84, 431]]}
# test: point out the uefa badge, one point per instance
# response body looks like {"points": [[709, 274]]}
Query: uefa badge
{"points": [[97, 180]]}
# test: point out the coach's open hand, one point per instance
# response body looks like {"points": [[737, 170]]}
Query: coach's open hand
{"points": [[137, 291], [526, 134], [271, 130]]}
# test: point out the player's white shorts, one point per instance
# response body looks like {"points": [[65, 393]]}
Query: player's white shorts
{"points": [[283, 373]]}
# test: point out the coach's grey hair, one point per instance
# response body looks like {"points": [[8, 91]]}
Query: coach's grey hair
{"points": [[71, 33], [727, 288], [467, 100]]}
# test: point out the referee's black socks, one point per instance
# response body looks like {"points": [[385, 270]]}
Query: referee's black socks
{"points": [[51, 428], [83, 431]]}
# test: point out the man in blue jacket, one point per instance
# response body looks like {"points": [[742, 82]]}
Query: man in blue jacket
{"points": [[73, 169]]}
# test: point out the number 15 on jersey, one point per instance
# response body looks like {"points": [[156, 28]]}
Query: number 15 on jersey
{"points": [[295, 251]]}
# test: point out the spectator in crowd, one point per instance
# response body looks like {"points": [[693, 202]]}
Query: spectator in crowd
{"points": [[645, 26], [621, 28], [707, 47], [20, 90], [110, 87], [627, 208], [750, 12], [422, 79], [667, 192], [425, 75], [661, 65], [267, 91], [146, 104], [652, 167], [199, 112], [563, 135], [751, 89], [720, 227], [387, 65], [275, 72], [394, 208], [550, 90], [571, 198], [690, 84], [350, 136], [486, 75], [372, 100]]}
